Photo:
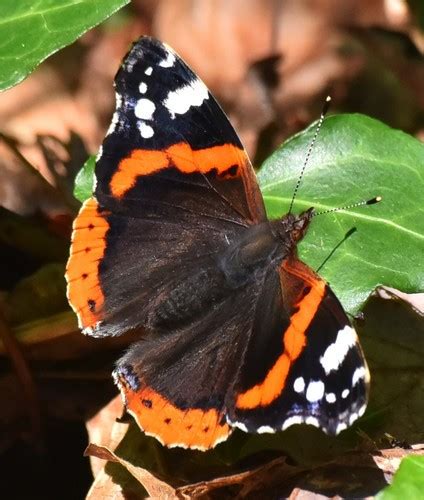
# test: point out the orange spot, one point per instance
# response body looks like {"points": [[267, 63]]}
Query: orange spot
{"points": [[146, 162], [82, 271], [294, 341], [158, 417]]}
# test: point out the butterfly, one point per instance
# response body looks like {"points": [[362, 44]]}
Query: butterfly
{"points": [[235, 330]]}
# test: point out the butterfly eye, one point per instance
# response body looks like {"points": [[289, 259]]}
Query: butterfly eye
{"points": [[301, 224]]}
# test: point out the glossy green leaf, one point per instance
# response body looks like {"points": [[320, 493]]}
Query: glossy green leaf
{"points": [[355, 158], [84, 180], [31, 30], [408, 481]]}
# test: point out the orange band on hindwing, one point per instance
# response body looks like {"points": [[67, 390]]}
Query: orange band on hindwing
{"points": [[82, 271], [224, 159], [156, 416], [294, 341]]}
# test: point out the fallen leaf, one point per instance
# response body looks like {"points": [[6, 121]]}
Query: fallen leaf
{"points": [[415, 300], [104, 429], [155, 487]]}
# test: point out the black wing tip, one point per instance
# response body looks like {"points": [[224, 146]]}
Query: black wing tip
{"points": [[147, 42], [144, 49]]}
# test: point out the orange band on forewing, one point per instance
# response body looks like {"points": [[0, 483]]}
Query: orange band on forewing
{"points": [[141, 162], [294, 341], [158, 417], [220, 158], [82, 271], [146, 162]]}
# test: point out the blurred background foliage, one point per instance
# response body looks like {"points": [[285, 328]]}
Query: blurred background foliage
{"points": [[270, 64]]}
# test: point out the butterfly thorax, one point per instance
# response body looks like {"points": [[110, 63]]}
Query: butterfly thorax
{"points": [[262, 245], [245, 261]]}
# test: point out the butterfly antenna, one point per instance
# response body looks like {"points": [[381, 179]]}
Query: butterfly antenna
{"points": [[311, 146], [372, 201]]}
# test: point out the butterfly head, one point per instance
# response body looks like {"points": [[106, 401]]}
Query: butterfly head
{"points": [[291, 228]]}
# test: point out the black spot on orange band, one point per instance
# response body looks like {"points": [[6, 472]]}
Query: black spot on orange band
{"points": [[82, 271], [188, 428]]}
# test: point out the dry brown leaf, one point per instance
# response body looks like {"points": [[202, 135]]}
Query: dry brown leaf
{"points": [[335, 476], [299, 494], [389, 460], [104, 429], [154, 486], [362, 471], [250, 480], [415, 300], [104, 487]]}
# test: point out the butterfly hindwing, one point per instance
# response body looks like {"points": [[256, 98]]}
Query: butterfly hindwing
{"points": [[317, 375], [188, 372]]}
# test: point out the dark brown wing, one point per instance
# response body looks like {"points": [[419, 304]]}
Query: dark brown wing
{"points": [[175, 385], [304, 363], [174, 187]]}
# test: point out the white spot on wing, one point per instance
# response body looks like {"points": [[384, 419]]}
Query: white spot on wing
{"points": [[312, 421], [330, 397], [299, 384], [341, 427], [146, 131], [315, 391], [169, 61], [142, 88], [113, 123], [115, 117], [99, 153], [144, 109], [91, 330], [239, 425], [116, 378], [358, 374], [265, 429], [335, 353], [179, 101], [361, 410], [148, 71], [353, 416], [345, 393], [296, 419], [98, 156]]}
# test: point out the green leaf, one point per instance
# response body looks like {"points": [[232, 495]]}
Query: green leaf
{"points": [[355, 158], [31, 30], [84, 180], [408, 481]]}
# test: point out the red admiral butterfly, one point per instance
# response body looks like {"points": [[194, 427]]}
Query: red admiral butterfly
{"points": [[176, 240]]}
